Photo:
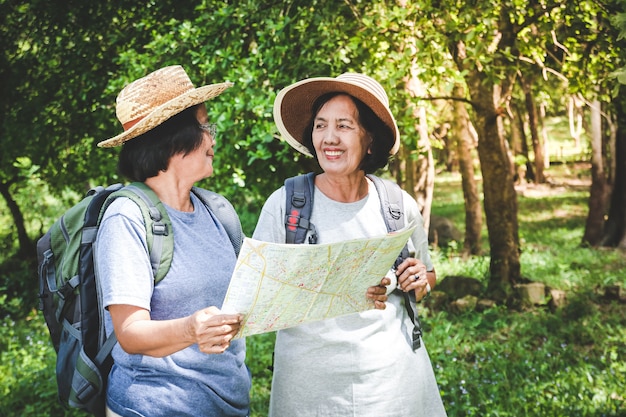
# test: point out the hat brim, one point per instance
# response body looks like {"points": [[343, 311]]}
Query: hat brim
{"points": [[294, 105], [167, 110]]}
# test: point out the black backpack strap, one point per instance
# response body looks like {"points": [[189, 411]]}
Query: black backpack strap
{"points": [[94, 359], [88, 286], [299, 192], [390, 195], [225, 212]]}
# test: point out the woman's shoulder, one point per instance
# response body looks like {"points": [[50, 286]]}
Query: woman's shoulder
{"points": [[276, 199], [409, 204], [122, 206]]}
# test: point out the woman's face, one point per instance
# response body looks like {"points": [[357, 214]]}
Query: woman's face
{"points": [[197, 164], [339, 140]]}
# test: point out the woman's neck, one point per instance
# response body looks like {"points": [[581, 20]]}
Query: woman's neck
{"points": [[171, 191], [345, 189]]}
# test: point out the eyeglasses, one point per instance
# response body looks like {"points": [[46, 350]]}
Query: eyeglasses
{"points": [[209, 127]]}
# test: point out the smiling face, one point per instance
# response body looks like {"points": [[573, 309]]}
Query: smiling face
{"points": [[339, 140]]}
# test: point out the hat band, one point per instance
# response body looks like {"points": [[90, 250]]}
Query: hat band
{"points": [[132, 123]]}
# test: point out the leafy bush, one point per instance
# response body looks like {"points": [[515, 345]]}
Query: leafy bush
{"points": [[18, 286], [27, 362], [259, 357]]}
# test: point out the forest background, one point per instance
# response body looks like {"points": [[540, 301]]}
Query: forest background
{"points": [[490, 95]]}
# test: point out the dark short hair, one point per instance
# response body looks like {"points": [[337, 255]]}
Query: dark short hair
{"points": [[147, 154], [382, 135]]}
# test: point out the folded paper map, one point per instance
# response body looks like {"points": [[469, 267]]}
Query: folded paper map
{"points": [[276, 286]]}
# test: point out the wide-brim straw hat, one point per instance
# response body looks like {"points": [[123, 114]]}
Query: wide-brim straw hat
{"points": [[294, 104], [149, 101]]}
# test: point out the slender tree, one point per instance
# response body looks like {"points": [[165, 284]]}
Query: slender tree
{"points": [[464, 144], [600, 187], [533, 127]]}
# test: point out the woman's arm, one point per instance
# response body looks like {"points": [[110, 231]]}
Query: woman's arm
{"points": [[137, 333]]}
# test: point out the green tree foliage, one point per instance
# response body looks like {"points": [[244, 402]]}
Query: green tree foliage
{"points": [[56, 63], [64, 62]]}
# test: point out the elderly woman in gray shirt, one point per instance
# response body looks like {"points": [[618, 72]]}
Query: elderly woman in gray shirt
{"points": [[176, 354]]}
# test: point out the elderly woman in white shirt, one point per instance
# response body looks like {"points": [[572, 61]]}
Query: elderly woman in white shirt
{"points": [[360, 364]]}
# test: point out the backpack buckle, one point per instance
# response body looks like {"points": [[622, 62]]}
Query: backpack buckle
{"points": [[298, 200], [159, 229], [65, 291], [395, 211]]}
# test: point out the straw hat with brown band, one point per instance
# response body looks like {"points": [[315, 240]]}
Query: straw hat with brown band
{"points": [[149, 101], [294, 104]]}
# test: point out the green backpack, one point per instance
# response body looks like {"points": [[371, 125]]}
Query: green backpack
{"points": [[68, 287]]}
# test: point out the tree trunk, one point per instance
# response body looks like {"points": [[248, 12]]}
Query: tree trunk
{"points": [[426, 186], [398, 167], [533, 122], [473, 211], [26, 245], [420, 173], [598, 193], [517, 132], [498, 188], [575, 116], [544, 137], [615, 227], [529, 171], [500, 200]]}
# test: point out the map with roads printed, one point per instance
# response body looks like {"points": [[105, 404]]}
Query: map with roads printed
{"points": [[276, 286]]}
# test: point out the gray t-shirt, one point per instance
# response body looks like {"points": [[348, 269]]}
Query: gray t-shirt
{"points": [[359, 364], [188, 382]]}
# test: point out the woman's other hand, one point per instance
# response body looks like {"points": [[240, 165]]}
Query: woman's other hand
{"points": [[413, 276], [378, 293]]}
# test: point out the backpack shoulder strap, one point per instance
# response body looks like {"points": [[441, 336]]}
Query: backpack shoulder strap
{"points": [[158, 225], [390, 195], [392, 208], [299, 192], [225, 212]]}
